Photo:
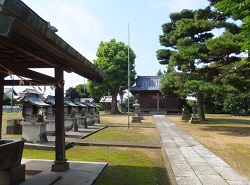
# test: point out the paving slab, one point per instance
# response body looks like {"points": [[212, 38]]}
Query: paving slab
{"points": [[79, 173], [191, 162]]}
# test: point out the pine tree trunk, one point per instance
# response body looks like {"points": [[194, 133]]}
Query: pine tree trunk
{"points": [[200, 107]]}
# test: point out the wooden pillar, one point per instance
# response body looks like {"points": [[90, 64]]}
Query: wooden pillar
{"points": [[60, 163], [1, 104]]}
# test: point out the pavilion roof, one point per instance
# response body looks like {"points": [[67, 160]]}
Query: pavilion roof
{"points": [[28, 41]]}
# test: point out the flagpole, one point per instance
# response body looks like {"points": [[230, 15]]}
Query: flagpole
{"points": [[128, 74]]}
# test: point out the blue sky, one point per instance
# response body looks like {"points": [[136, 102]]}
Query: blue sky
{"points": [[85, 23]]}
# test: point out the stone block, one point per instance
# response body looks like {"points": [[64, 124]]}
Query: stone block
{"points": [[14, 126], [12, 176]]}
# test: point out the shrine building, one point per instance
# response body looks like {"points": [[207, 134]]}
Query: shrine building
{"points": [[150, 98]]}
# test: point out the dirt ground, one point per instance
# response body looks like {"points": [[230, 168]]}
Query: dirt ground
{"points": [[230, 141]]}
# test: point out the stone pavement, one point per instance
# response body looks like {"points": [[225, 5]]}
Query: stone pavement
{"points": [[190, 161], [79, 173]]}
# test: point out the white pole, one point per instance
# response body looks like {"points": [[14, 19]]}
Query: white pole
{"points": [[84, 87], [128, 74]]}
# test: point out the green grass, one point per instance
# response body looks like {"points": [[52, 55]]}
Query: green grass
{"points": [[125, 134], [126, 166]]}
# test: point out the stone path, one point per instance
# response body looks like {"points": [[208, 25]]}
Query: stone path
{"points": [[191, 162]]}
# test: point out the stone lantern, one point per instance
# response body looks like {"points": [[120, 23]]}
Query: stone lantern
{"points": [[50, 115], [137, 116], [194, 118], [34, 125], [89, 113], [70, 120], [81, 113]]}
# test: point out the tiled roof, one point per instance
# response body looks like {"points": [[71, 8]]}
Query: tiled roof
{"points": [[77, 101], [146, 83], [50, 100], [34, 99], [89, 104], [67, 101]]}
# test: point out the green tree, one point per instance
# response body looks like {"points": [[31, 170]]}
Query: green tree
{"points": [[196, 60], [237, 103], [72, 93], [82, 91], [112, 59], [159, 73], [238, 10], [6, 100]]}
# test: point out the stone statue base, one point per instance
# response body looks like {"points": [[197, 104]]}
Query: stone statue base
{"points": [[136, 119], [194, 119], [60, 167]]}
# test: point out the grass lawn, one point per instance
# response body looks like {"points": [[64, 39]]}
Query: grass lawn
{"points": [[125, 165], [128, 166], [148, 135]]}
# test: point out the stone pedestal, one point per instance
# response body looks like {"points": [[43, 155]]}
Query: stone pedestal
{"points": [[194, 119], [90, 120], [136, 119], [14, 126], [68, 124], [59, 166], [50, 127], [75, 126], [34, 132], [82, 122], [96, 119]]}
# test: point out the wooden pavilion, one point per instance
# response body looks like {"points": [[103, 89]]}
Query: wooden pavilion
{"points": [[27, 41]]}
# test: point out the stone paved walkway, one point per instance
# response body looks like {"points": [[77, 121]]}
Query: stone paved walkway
{"points": [[191, 162]]}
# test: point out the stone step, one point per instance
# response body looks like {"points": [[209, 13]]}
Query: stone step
{"points": [[43, 178]]}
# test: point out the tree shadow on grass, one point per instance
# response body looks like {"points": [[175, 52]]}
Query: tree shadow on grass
{"points": [[236, 127], [227, 121], [133, 175]]}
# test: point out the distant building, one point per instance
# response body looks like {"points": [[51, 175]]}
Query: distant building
{"points": [[106, 101], [150, 98]]}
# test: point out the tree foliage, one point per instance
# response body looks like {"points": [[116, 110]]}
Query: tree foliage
{"points": [[72, 93], [238, 10], [82, 91], [197, 61], [6, 100], [112, 59]]}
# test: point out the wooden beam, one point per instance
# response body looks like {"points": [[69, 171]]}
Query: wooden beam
{"points": [[24, 72], [25, 83]]}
